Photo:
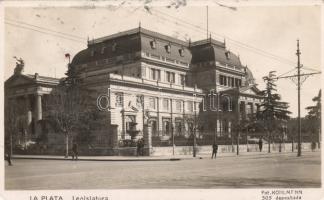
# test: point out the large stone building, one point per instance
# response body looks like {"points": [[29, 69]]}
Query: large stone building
{"points": [[156, 87]]}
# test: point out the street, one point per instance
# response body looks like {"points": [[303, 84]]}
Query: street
{"points": [[249, 171]]}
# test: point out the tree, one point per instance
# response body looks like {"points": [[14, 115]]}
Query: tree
{"points": [[11, 123], [314, 114], [273, 112], [71, 109]]}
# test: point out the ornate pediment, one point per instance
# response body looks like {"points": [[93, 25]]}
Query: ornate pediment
{"points": [[18, 80], [250, 91]]}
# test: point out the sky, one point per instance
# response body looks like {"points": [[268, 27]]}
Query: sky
{"points": [[263, 36]]}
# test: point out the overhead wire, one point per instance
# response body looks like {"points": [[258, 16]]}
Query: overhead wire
{"points": [[235, 42], [311, 69], [47, 29], [184, 24], [177, 23], [43, 32]]}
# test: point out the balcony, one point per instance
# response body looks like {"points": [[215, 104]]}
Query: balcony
{"points": [[165, 59], [153, 83]]}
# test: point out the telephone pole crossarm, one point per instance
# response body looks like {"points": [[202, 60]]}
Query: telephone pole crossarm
{"points": [[305, 74]]}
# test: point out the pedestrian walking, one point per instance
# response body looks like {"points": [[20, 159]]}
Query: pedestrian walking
{"points": [[313, 146], [138, 147], [142, 147], [8, 156], [75, 151], [215, 148], [260, 144]]}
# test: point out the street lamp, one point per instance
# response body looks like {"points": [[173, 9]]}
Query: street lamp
{"points": [[172, 132]]}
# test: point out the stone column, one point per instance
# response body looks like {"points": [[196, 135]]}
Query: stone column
{"points": [[38, 107], [28, 111]]}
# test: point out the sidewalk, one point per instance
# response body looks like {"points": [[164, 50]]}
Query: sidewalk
{"points": [[147, 158]]}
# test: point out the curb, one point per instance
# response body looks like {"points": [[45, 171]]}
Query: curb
{"points": [[99, 159], [151, 159]]}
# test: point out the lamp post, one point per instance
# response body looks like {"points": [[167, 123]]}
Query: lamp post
{"points": [[238, 140], [172, 132], [194, 132], [247, 140], [238, 122]]}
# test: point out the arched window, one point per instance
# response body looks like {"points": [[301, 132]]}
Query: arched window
{"points": [[226, 103]]}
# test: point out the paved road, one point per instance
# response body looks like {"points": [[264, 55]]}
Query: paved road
{"points": [[257, 171]]}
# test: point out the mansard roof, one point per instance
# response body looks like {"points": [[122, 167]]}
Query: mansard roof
{"points": [[132, 41], [213, 50]]}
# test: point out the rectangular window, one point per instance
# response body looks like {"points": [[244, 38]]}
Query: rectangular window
{"points": [[168, 48], [152, 74], [153, 44], [103, 50], [178, 127], [233, 82], [190, 106], [170, 77], [139, 101], [166, 128], [152, 102], [238, 82], [221, 81], [165, 104], [178, 105], [119, 100], [225, 80], [182, 79], [155, 74], [143, 71]]}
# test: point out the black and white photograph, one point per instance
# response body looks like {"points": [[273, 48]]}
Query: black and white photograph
{"points": [[173, 99]]}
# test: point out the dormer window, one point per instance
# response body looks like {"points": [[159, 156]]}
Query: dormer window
{"points": [[181, 51], [114, 47], [103, 50], [153, 44], [168, 48], [228, 54]]}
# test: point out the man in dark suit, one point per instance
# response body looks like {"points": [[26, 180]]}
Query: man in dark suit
{"points": [[215, 149], [8, 156], [75, 151], [260, 144]]}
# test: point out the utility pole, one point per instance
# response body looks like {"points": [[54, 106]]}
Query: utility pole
{"points": [[172, 130], [298, 88], [299, 82], [194, 132], [238, 122], [207, 22]]}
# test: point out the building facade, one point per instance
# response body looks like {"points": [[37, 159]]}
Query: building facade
{"points": [[155, 87]]}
